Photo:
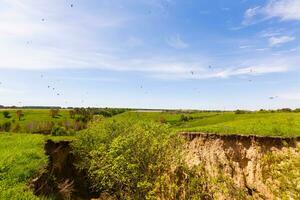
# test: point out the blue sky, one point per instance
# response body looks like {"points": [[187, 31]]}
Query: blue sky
{"points": [[150, 53]]}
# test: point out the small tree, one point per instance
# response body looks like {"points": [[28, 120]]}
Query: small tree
{"points": [[20, 114], [54, 112], [184, 118], [6, 114], [72, 114]]}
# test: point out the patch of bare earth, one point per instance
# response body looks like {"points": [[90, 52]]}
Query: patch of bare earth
{"points": [[238, 157]]}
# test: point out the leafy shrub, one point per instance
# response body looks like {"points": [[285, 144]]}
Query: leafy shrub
{"points": [[5, 126], [54, 113], [19, 114], [281, 172], [240, 112], [135, 161], [285, 110], [6, 114], [59, 131], [297, 110], [184, 118]]}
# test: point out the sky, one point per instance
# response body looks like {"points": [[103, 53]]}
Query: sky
{"points": [[176, 54]]}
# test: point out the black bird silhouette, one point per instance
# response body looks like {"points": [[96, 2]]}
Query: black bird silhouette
{"points": [[72, 5], [273, 97]]}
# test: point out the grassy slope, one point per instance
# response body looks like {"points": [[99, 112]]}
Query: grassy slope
{"points": [[263, 124], [34, 115], [21, 156]]}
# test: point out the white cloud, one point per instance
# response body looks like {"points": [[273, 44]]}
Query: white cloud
{"points": [[250, 13], [274, 41], [176, 42], [282, 9], [70, 39], [252, 70]]}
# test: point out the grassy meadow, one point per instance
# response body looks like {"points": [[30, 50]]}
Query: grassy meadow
{"points": [[33, 118], [21, 157], [22, 154], [284, 124]]}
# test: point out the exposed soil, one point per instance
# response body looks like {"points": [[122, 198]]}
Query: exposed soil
{"points": [[61, 179], [239, 157]]}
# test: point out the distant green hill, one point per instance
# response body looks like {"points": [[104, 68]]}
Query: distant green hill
{"points": [[285, 124]]}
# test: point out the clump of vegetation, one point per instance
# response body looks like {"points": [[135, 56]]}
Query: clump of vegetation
{"points": [[58, 131], [19, 114], [282, 173], [6, 114], [238, 112], [136, 161], [54, 113], [6, 126]]}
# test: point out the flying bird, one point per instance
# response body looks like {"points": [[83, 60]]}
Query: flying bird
{"points": [[273, 97]]}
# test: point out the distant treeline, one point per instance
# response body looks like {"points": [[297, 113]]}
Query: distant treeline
{"points": [[79, 119], [268, 111]]}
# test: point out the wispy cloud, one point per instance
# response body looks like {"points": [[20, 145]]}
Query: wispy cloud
{"points": [[275, 41], [204, 73], [282, 9], [76, 39], [175, 41]]}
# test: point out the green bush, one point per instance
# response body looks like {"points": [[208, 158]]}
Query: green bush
{"points": [[184, 118], [6, 114], [58, 131], [281, 172], [240, 112], [6, 126], [134, 161]]}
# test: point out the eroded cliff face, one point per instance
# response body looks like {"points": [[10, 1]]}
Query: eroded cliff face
{"points": [[237, 157]]}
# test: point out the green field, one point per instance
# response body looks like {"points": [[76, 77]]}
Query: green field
{"points": [[35, 115], [285, 124], [35, 121], [21, 157]]}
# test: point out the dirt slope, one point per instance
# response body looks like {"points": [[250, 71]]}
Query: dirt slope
{"points": [[239, 157]]}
